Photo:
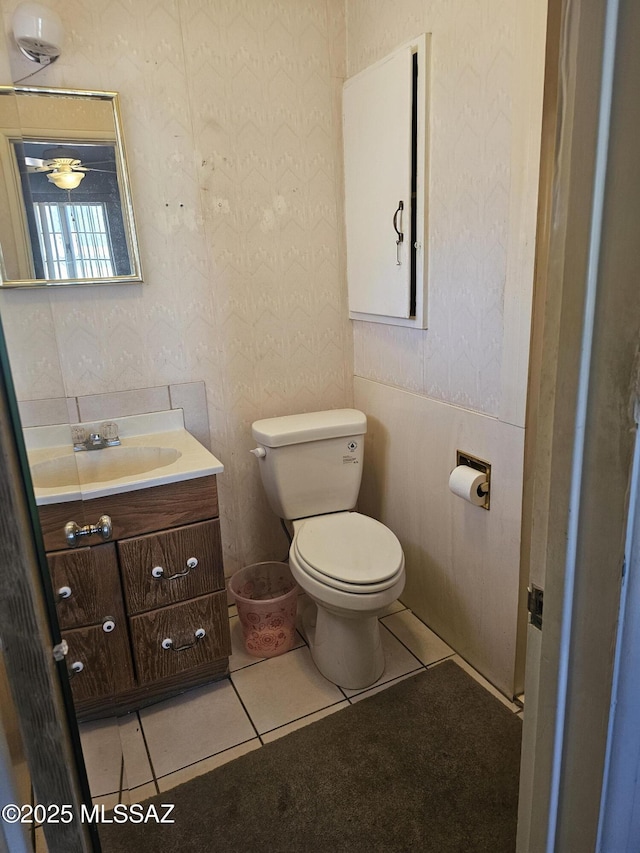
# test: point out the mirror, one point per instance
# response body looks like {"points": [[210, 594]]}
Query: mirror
{"points": [[66, 215]]}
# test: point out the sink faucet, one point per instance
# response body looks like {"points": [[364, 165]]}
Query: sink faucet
{"points": [[107, 437]]}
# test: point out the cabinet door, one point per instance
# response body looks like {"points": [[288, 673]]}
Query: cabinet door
{"points": [[90, 576], [377, 105], [163, 568], [156, 659], [105, 659]]}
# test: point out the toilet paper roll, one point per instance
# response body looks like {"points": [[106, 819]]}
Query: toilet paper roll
{"points": [[465, 482]]}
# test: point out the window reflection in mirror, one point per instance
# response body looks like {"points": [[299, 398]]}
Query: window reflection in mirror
{"points": [[68, 213]]}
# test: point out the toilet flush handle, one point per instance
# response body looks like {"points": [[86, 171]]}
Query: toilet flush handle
{"points": [[259, 452]]}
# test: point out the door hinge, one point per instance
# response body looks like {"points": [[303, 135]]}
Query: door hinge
{"points": [[535, 598]]}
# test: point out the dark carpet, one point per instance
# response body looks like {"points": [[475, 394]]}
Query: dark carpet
{"points": [[430, 764]]}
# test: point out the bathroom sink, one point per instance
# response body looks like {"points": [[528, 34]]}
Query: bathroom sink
{"points": [[55, 473], [156, 450], [98, 466]]}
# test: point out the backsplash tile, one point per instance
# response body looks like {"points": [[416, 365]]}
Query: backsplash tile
{"points": [[35, 413], [119, 404], [191, 397]]}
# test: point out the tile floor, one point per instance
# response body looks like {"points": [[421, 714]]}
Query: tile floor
{"points": [[134, 757]]}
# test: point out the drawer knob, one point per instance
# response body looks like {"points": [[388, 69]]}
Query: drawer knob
{"points": [[108, 625], [158, 571], [75, 668], [73, 533], [64, 592], [167, 643]]}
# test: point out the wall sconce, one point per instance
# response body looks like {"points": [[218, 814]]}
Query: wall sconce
{"points": [[38, 32]]}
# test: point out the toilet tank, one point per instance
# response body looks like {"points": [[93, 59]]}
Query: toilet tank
{"points": [[311, 464]]}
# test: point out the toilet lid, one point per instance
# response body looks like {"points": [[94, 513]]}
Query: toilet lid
{"points": [[350, 548]]}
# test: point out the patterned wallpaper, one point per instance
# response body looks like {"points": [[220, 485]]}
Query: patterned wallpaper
{"points": [[459, 358], [231, 110]]}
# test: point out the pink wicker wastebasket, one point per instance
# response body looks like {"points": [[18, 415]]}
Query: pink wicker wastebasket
{"points": [[267, 599]]}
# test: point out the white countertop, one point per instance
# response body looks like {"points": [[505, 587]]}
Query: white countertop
{"points": [[167, 452]]}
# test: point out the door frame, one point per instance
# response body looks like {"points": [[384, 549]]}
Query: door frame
{"points": [[38, 683], [581, 424]]}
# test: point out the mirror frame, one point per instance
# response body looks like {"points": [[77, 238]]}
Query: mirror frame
{"points": [[124, 187]]}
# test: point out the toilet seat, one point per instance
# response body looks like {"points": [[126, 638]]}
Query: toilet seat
{"points": [[348, 551]]}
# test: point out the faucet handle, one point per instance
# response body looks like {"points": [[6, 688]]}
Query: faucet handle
{"points": [[109, 432], [78, 435]]}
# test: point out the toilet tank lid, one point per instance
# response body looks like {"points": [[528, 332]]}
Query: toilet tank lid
{"points": [[311, 426]]}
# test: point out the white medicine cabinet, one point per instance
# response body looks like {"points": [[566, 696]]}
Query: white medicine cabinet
{"points": [[386, 130]]}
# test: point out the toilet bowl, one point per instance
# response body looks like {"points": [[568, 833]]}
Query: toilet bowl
{"points": [[352, 568]]}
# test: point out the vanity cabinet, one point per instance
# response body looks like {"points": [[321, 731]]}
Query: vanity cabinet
{"points": [[86, 584], [145, 614]]}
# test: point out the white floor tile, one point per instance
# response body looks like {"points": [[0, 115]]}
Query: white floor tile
{"points": [[274, 734], [397, 660], [40, 841], [102, 753], [137, 795], [395, 607], [379, 688], [425, 645], [107, 802], [284, 688], [165, 783], [194, 726], [137, 770]]}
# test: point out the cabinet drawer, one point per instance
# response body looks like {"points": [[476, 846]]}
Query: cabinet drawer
{"points": [[91, 575], [134, 513], [179, 623], [157, 569], [105, 658]]}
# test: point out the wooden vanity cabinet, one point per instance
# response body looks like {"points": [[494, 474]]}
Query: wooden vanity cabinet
{"points": [[145, 616], [86, 584]]}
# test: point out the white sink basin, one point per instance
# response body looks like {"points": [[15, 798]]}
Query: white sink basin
{"points": [[156, 450], [99, 466], [55, 472]]}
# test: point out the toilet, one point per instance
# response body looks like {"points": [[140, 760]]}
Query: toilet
{"points": [[350, 566]]}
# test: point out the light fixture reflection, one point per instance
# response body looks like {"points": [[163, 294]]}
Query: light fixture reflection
{"points": [[65, 177]]}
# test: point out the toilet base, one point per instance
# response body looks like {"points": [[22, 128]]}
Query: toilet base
{"points": [[347, 650]]}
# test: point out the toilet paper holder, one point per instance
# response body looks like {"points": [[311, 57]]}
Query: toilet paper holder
{"points": [[463, 458]]}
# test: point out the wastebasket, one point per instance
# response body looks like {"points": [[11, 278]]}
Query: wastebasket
{"points": [[267, 599]]}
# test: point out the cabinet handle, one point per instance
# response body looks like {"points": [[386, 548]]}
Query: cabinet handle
{"points": [[73, 533], [64, 592], [167, 643], [158, 571], [399, 233], [75, 669], [108, 624]]}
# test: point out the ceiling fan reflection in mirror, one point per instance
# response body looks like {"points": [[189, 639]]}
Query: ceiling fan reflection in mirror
{"points": [[63, 165]]}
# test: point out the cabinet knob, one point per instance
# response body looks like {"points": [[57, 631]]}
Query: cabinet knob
{"points": [[158, 571], [75, 668], [167, 643], [108, 625], [64, 592], [73, 533]]}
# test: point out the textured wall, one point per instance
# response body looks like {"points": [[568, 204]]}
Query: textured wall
{"points": [[461, 384], [474, 66], [232, 123]]}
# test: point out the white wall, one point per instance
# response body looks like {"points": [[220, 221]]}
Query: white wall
{"points": [[231, 119], [423, 389]]}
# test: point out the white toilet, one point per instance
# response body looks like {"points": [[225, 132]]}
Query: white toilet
{"points": [[351, 566]]}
